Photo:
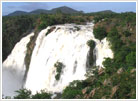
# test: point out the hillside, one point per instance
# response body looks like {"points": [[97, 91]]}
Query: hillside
{"points": [[39, 11], [63, 9], [18, 13]]}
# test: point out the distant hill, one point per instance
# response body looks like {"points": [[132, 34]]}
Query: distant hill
{"points": [[103, 12], [39, 11], [17, 13], [62, 9], [106, 11]]}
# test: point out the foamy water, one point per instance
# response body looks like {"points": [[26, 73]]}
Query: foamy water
{"points": [[66, 44], [14, 68]]}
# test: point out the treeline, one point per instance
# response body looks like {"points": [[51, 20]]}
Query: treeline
{"points": [[16, 27], [60, 18], [13, 29]]}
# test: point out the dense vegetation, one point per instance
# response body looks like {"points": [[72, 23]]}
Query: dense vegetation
{"points": [[99, 33], [59, 66], [91, 57], [13, 29], [91, 44], [27, 94], [116, 81]]}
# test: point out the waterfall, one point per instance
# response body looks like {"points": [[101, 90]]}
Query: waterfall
{"points": [[66, 44], [14, 68]]}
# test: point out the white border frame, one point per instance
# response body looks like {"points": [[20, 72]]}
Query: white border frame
{"points": [[63, 99]]}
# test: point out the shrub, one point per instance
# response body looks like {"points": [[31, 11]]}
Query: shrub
{"points": [[114, 38], [127, 33], [91, 72], [27, 94], [50, 30], [57, 77], [23, 94], [42, 95], [59, 66], [99, 33], [91, 57], [72, 90], [108, 64], [96, 19], [70, 93], [91, 44], [131, 59], [127, 85]]}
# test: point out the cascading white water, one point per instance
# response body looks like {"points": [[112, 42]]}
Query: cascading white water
{"points": [[102, 50], [14, 68], [66, 44]]}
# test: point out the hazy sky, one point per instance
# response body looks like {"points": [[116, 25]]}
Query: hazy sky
{"points": [[9, 7]]}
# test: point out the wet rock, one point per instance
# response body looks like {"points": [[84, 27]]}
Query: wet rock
{"points": [[133, 70], [114, 89], [107, 82], [78, 97], [104, 97], [92, 92], [120, 71], [100, 71], [86, 96], [85, 90]]}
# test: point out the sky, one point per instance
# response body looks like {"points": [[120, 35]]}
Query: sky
{"points": [[87, 7]]}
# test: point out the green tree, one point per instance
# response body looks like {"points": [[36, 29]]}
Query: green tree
{"points": [[99, 33], [131, 59], [27, 94], [114, 38], [109, 66], [91, 44], [42, 95], [127, 33], [59, 66], [72, 90], [13, 29], [23, 94]]}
